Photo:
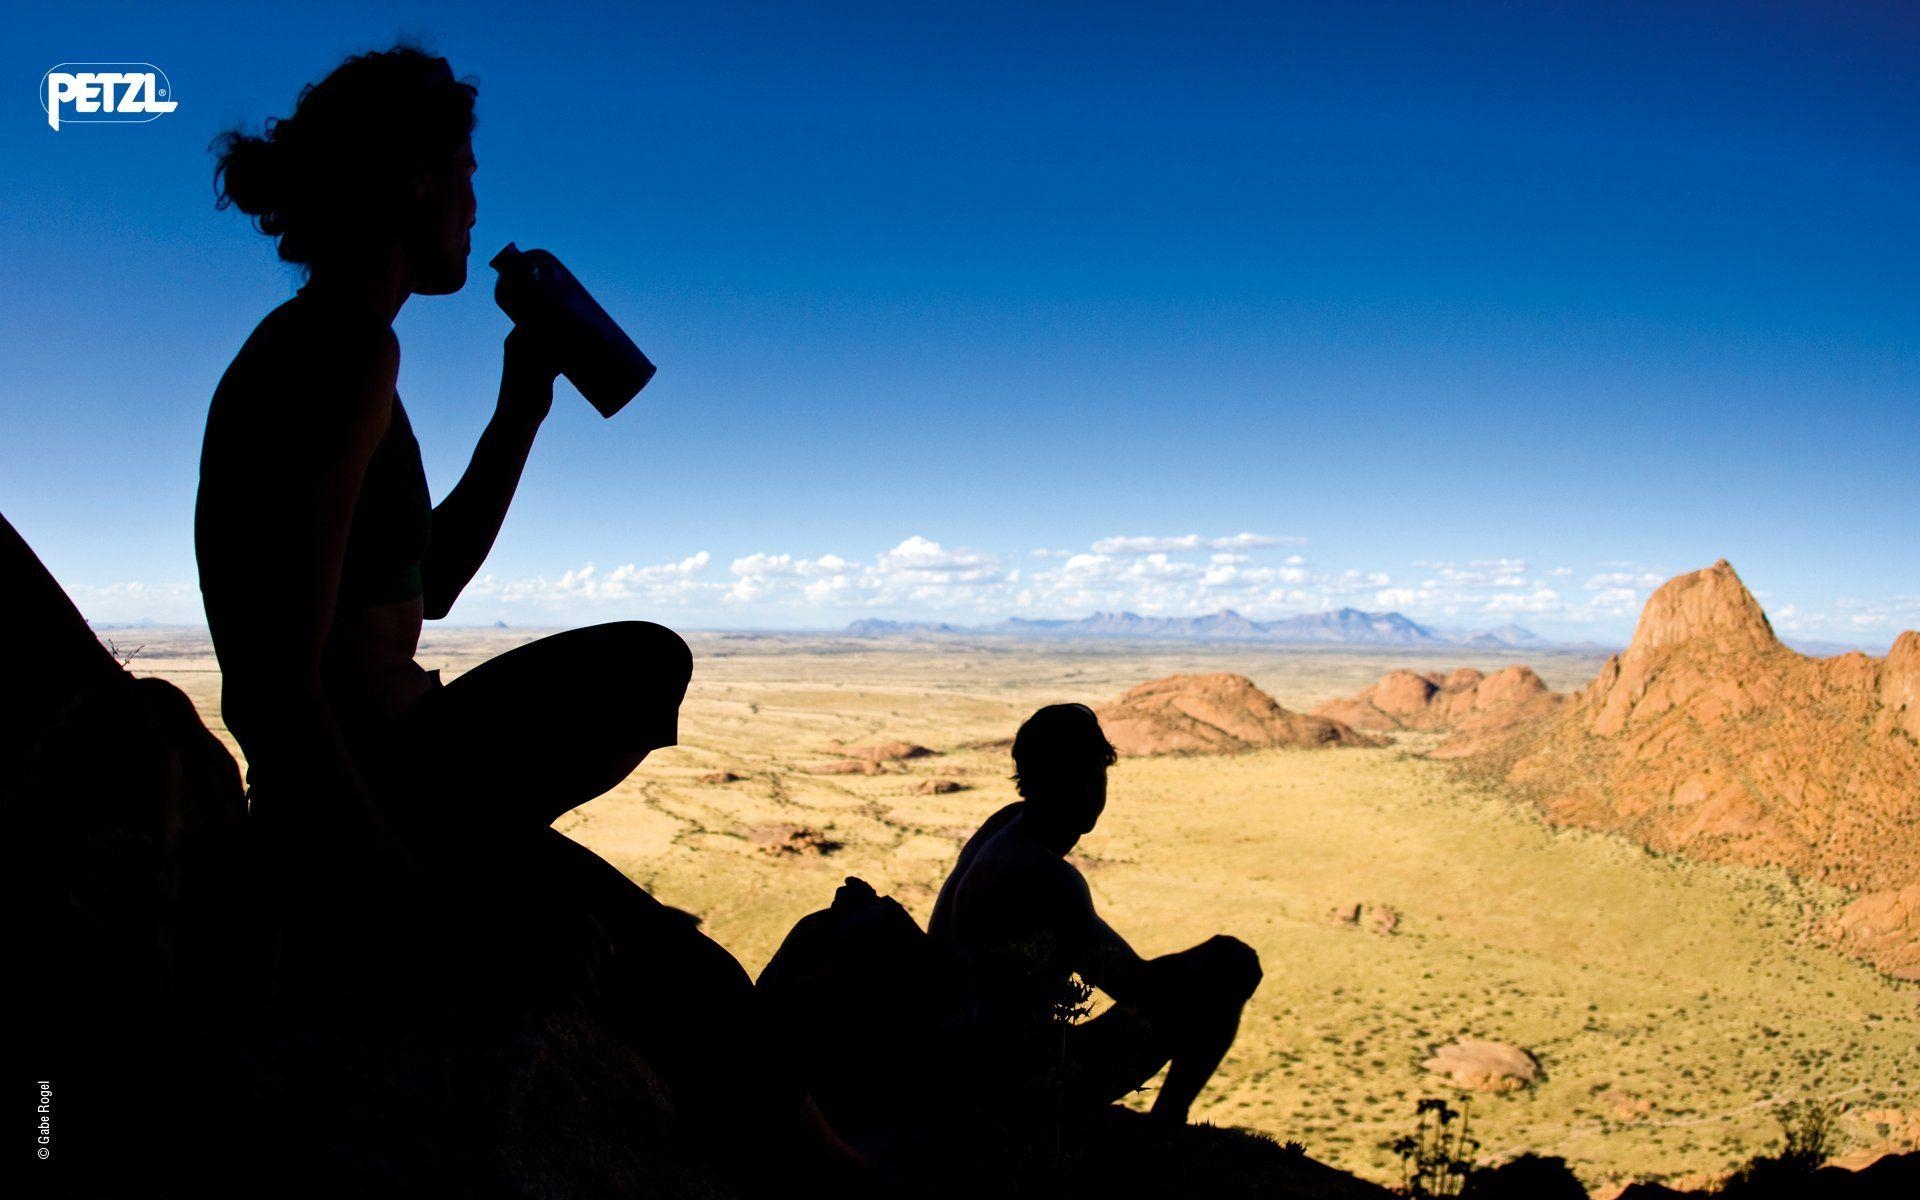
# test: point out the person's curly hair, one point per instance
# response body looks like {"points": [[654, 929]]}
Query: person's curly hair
{"points": [[340, 168]]}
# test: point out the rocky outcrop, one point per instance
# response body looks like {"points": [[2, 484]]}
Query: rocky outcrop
{"points": [[1882, 928], [1472, 706], [1900, 686], [1213, 714], [1710, 738], [158, 982]]}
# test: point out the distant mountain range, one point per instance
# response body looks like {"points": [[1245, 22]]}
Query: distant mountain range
{"points": [[1344, 626]]}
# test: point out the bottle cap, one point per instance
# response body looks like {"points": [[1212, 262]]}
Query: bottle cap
{"points": [[507, 254]]}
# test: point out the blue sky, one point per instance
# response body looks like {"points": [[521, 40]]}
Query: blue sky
{"points": [[1483, 312]]}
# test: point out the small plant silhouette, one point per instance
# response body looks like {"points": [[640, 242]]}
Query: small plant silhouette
{"points": [[1807, 1126], [1053, 1001], [1437, 1155]]}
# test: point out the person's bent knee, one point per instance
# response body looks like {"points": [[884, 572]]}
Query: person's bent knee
{"points": [[649, 667], [1234, 967], [654, 649]]}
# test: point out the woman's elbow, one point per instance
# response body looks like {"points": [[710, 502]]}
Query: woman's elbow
{"points": [[435, 601]]}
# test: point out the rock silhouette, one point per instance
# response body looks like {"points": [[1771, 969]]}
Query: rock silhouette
{"points": [[1891, 1177], [874, 1003], [128, 838], [1213, 714]]}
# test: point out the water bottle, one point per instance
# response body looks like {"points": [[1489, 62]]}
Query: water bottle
{"points": [[541, 295]]}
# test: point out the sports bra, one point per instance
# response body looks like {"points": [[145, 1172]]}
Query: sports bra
{"points": [[391, 522]]}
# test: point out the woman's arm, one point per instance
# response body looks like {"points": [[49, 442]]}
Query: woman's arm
{"points": [[467, 521]]}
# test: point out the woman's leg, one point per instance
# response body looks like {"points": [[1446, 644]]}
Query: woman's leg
{"points": [[543, 728]]}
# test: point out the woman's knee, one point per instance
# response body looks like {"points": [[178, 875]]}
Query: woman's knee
{"points": [[652, 649]]}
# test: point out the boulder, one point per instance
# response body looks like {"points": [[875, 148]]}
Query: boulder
{"points": [[847, 766], [1484, 1065], [881, 752]]}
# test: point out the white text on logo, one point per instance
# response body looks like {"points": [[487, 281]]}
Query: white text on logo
{"points": [[127, 93]]}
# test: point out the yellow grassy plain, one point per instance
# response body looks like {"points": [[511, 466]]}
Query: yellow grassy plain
{"points": [[1671, 1004]]}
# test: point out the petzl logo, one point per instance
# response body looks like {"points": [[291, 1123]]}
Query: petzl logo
{"points": [[93, 93]]}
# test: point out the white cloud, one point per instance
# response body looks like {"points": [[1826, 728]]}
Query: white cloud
{"points": [[919, 576], [1626, 579], [1869, 614], [1615, 602], [1483, 572], [1539, 600], [786, 565], [138, 600], [1191, 541], [586, 586]]}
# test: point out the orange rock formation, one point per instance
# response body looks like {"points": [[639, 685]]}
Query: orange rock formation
{"points": [[1475, 707], [1213, 714], [1708, 737]]}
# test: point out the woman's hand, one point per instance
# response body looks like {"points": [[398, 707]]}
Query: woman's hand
{"points": [[528, 369]]}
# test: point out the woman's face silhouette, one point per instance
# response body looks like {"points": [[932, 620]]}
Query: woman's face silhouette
{"points": [[441, 236]]}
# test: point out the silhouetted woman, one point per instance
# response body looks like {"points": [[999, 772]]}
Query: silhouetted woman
{"points": [[379, 794], [320, 552]]}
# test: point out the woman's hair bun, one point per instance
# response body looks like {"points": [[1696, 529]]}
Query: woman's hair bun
{"points": [[248, 174], [339, 168]]}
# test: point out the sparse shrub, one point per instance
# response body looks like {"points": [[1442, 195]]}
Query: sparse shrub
{"points": [[1807, 1128], [1436, 1157]]}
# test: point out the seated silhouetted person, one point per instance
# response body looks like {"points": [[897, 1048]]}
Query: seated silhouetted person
{"points": [[399, 824], [1022, 920]]}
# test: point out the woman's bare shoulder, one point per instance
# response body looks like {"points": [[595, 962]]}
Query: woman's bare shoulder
{"points": [[308, 368]]}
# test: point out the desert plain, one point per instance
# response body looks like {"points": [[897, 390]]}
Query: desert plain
{"points": [[1671, 1005]]}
